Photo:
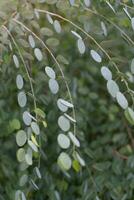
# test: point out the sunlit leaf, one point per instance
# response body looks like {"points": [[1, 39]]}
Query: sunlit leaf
{"points": [[33, 146], [22, 99], [19, 81], [121, 99], [76, 165], [74, 139], [28, 159], [49, 18], [34, 185], [61, 106], [40, 113], [111, 7], [35, 128], [132, 66], [104, 29], [96, 56], [64, 123], [34, 140], [31, 41], [38, 172], [72, 2], [21, 138], [106, 73], [63, 141], [76, 34], [87, 3], [127, 13], [38, 54], [112, 88], [50, 72], [132, 22], [26, 118], [64, 161], [54, 86], [57, 26], [16, 61], [81, 46], [66, 103], [80, 159], [70, 118], [21, 154]]}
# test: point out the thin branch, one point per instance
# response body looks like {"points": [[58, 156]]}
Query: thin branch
{"points": [[17, 47], [79, 28], [113, 24], [57, 63], [124, 4], [90, 37], [30, 81]]}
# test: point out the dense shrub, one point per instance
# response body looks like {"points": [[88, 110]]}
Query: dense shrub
{"points": [[88, 46]]}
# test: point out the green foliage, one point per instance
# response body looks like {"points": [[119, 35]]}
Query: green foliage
{"points": [[66, 100]]}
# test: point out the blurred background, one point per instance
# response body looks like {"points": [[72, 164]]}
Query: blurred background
{"points": [[105, 136]]}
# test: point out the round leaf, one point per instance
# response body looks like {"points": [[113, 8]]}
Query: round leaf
{"points": [[21, 154], [64, 123], [21, 138], [31, 41], [22, 99], [112, 88], [19, 81], [63, 141], [26, 118], [64, 161], [96, 56], [38, 54], [50, 72], [121, 99], [61, 106], [54, 86], [106, 73], [57, 26], [35, 128]]}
